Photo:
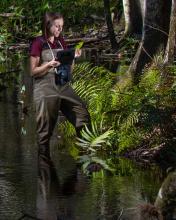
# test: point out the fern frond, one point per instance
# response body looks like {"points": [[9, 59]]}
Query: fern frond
{"points": [[130, 121], [81, 70], [85, 90], [67, 129]]}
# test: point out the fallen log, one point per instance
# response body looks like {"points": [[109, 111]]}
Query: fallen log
{"points": [[69, 41], [8, 15], [18, 46], [85, 40]]}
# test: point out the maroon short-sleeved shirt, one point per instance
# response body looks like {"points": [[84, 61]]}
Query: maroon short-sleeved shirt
{"points": [[38, 42]]}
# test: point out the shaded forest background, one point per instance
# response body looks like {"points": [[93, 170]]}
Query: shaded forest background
{"points": [[139, 111], [152, 23]]}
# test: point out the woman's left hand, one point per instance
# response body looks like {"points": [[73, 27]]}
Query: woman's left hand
{"points": [[78, 53]]}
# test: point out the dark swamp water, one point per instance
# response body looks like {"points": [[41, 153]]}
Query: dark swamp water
{"points": [[69, 195]]}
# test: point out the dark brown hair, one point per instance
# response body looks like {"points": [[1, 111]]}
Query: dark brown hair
{"points": [[48, 19]]}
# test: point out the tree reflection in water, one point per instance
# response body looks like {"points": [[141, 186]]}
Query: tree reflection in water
{"points": [[165, 204]]}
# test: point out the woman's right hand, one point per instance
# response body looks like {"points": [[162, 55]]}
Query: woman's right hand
{"points": [[53, 63]]}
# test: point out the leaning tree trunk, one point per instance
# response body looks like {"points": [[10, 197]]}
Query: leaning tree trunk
{"points": [[171, 44], [112, 37], [155, 29], [133, 17]]}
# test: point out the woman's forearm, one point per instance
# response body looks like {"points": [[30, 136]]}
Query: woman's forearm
{"points": [[41, 70]]}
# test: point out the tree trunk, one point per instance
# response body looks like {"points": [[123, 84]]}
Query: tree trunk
{"points": [[113, 41], [133, 17], [171, 44], [118, 11], [155, 29]]}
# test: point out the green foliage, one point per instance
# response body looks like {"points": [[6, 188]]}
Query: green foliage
{"points": [[130, 138], [137, 115], [94, 139], [130, 121], [151, 79], [67, 129], [127, 50], [79, 45], [93, 85], [93, 164], [26, 16]]}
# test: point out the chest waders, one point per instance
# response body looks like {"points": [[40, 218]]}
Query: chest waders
{"points": [[49, 98]]}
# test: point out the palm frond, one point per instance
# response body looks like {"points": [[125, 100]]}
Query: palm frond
{"points": [[91, 139]]}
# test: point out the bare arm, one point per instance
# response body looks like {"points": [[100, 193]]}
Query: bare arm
{"points": [[40, 70]]}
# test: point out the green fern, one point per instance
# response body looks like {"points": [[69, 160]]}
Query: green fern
{"points": [[130, 138], [83, 70], [159, 58], [84, 90], [150, 79], [130, 121], [94, 139], [67, 129], [92, 84]]}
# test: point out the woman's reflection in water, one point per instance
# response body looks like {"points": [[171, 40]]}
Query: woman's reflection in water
{"points": [[55, 196]]}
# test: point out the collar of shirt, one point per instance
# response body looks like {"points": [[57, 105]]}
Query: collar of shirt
{"points": [[54, 44]]}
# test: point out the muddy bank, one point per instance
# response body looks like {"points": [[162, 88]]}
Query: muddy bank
{"points": [[164, 154]]}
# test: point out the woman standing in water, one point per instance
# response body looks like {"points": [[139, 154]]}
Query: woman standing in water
{"points": [[52, 94]]}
